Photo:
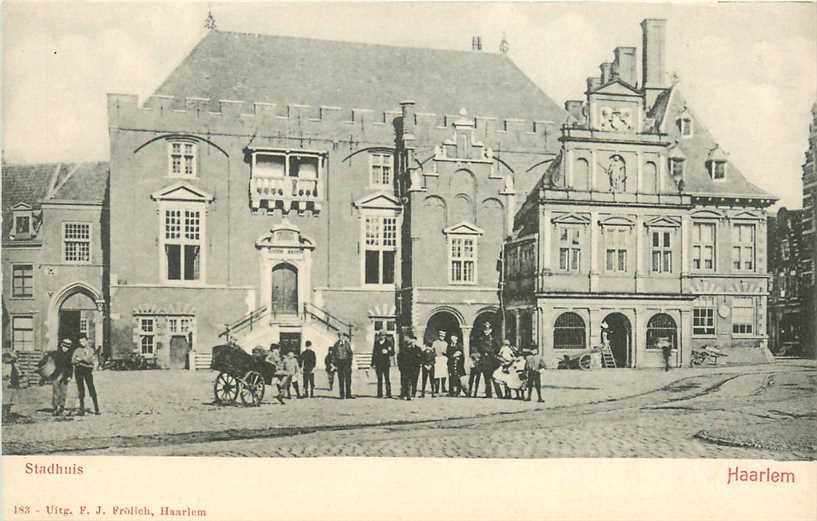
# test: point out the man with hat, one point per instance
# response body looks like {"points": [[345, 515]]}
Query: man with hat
{"points": [[343, 361], [487, 345], [83, 361], [408, 361], [534, 363], [440, 347], [61, 375], [382, 351]]}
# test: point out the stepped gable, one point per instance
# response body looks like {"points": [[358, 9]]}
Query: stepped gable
{"points": [[288, 70], [30, 184], [696, 149]]}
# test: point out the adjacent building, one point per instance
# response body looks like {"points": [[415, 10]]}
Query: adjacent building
{"points": [[281, 189], [641, 225], [787, 293], [54, 234], [809, 244]]}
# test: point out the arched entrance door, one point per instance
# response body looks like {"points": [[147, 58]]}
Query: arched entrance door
{"points": [[284, 290], [620, 335], [445, 321], [78, 314], [491, 317]]}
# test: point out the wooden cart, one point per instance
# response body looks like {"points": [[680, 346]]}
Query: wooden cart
{"points": [[240, 375]]}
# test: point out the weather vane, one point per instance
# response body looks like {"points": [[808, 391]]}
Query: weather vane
{"points": [[210, 21]]}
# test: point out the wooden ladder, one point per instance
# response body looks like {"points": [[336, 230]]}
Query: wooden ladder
{"points": [[607, 358]]}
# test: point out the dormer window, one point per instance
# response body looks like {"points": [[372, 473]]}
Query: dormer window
{"points": [[716, 163], [23, 227], [686, 126], [676, 167], [181, 158]]}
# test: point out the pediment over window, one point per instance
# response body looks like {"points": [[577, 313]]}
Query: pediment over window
{"points": [[664, 220], [463, 228], [182, 191], [616, 220], [675, 153], [745, 214], [379, 201], [285, 235], [708, 214], [617, 87], [21, 207], [571, 218]]}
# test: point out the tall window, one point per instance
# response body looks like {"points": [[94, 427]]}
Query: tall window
{"points": [[616, 239], [381, 248], [703, 317], [22, 280], [380, 169], [743, 247], [22, 333], [182, 159], [76, 242], [570, 249], [703, 246], [22, 224], [676, 168], [650, 183], [147, 336], [685, 127], [581, 175], [183, 239], [661, 329], [743, 316], [569, 332], [462, 257], [661, 249]]}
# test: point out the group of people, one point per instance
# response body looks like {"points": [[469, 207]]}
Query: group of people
{"points": [[66, 362], [290, 370]]}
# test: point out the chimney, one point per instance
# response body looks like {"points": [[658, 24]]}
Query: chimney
{"points": [[574, 108], [606, 72], [593, 84], [624, 64], [652, 47], [476, 43]]}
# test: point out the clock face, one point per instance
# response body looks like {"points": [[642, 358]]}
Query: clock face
{"points": [[616, 118]]}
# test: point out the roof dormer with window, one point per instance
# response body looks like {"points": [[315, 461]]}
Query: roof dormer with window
{"points": [[716, 163], [23, 225], [677, 166], [685, 124]]}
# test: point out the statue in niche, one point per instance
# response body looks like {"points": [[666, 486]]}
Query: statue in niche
{"points": [[617, 173]]}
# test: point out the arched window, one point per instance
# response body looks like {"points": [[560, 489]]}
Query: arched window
{"points": [[660, 329], [569, 332], [581, 175], [650, 183]]}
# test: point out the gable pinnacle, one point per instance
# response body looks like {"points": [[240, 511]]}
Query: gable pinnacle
{"points": [[504, 46], [210, 21]]}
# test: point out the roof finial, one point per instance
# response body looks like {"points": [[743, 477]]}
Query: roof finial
{"points": [[504, 46], [210, 21]]}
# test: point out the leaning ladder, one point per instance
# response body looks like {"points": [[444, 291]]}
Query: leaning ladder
{"points": [[607, 358]]}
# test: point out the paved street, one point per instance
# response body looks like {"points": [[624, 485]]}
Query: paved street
{"points": [[766, 411]]}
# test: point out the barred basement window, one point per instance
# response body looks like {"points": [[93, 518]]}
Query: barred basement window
{"points": [[76, 245]]}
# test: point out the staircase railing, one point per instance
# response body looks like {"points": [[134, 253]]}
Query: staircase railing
{"points": [[328, 318], [250, 320]]}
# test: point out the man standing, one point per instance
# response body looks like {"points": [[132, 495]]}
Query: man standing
{"points": [[343, 361], [329, 366], [440, 347], [308, 363], [666, 351], [408, 361], [61, 375], [474, 373], [487, 345], [83, 362], [382, 352], [455, 366], [427, 370], [534, 363], [291, 368]]}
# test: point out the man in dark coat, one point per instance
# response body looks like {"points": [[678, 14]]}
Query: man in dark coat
{"points": [[487, 345], [455, 365], [408, 361], [308, 363], [343, 361], [382, 351]]}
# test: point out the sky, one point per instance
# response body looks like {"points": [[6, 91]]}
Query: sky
{"points": [[748, 70]]}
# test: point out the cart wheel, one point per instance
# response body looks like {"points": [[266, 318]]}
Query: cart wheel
{"points": [[225, 388], [585, 362], [252, 389]]}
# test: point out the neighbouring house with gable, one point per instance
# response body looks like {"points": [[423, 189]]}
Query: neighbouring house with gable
{"points": [[279, 189], [54, 230], [641, 226], [808, 252]]}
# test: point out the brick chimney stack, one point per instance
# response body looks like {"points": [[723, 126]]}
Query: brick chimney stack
{"points": [[653, 46], [624, 65]]}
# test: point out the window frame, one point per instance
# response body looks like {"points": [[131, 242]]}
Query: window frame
{"points": [[571, 327], [652, 329], [183, 207], [14, 278], [709, 328], [145, 334], [462, 259], [183, 144], [64, 240], [381, 247], [735, 325], [14, 341], [701, 246], [678, 162], [662, 250], [616, 241], [28, 216], [377, 160], [713, 169], [742, 247], [571, 247], [690, 127]]}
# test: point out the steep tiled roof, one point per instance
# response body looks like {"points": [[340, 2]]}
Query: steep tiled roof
{"points": [[278, 69], [696, 149], [30, 184]]}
